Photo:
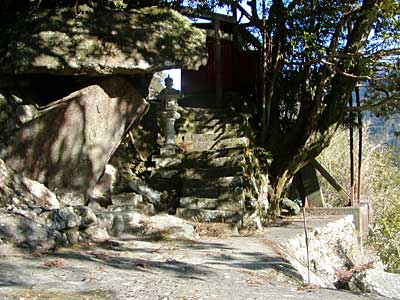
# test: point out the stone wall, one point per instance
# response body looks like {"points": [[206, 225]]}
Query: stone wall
{"points": [[333, 246]]}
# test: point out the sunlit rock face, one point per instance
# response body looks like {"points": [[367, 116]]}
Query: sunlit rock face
{"points": [[20, 192], [105, 42]]}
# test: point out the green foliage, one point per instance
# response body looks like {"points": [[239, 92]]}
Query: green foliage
{"points": [[385, 237], [380, 187], [156, 84]]}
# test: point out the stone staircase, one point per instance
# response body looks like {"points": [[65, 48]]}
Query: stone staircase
{"points": [[214, 173]]}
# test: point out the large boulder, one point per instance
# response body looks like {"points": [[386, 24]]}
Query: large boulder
{"points": [[376, 281], [19, 191], [68, 146], [104, 42]]}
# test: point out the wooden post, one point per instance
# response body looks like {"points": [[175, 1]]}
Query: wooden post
{"points": [[218, 64]]}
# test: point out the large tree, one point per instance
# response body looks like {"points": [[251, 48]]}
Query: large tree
{"points": [[314, 55]]}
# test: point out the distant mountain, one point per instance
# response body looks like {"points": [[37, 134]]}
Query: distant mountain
{"points": [[384, 129]]}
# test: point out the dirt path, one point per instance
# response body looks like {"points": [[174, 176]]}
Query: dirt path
{"points": [[128, 268]]}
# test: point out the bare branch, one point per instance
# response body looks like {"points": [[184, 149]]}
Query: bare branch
{"points": [[388, 52], [358, 77], [393, 99], [381, 53]]}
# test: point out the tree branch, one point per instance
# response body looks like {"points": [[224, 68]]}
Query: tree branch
{"points": [[353, 76], [393, 99], [381, 53]]}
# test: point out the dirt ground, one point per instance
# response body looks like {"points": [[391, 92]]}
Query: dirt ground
{"points": [[219, 266]]}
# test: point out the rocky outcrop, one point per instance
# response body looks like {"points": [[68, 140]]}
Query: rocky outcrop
{"points": [[19, 191], [68, 146], [13, 113], [105, 42], [376, 281]]}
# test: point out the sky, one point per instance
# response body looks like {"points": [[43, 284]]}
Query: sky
{"points": [[175, 74]]}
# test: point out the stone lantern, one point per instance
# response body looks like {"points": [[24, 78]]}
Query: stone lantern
{"points": [[169, 114], [169, 110]]}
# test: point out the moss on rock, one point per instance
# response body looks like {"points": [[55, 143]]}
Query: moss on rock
{"points": [[104, 42]]}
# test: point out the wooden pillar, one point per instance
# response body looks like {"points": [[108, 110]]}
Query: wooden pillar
{"points": [[218, 64], [235, 25]]}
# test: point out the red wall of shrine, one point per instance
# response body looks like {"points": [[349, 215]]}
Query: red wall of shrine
{"points": [[239, 70]]}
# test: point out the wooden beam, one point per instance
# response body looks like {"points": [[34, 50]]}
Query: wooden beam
{"points": [[249, 37], [196, 13], [251, 18], [342, 193]]}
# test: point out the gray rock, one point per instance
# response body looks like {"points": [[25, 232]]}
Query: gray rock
{"points": [[25, 113], [105, 220], [289, 207], [70, 198], [64, 218], [15, 100], [68, 146], [130, 199], [118, 226], [95, 233], [376, 281], [11, 124], [169, 227], [118, 221], [24, 192], [143, 208], [104, 42], [2, 99], [3, 115], [26, 232], [71, 217], [132, 220], [147, 192], [104, 186], [73, 236], [88, 217]]}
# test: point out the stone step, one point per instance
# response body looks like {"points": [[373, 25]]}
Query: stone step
{"points": [[222, 193], [210, 203], [212, 125], [214, 154], [211, 173], [209, 113], [204, 137], [216, 145], [205, 215], [222, 182], [217, 127], [214, 161]]}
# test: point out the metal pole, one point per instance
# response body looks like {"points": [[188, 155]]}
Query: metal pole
{"points": [[307, 249], [360, 146], [351, 158]]}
